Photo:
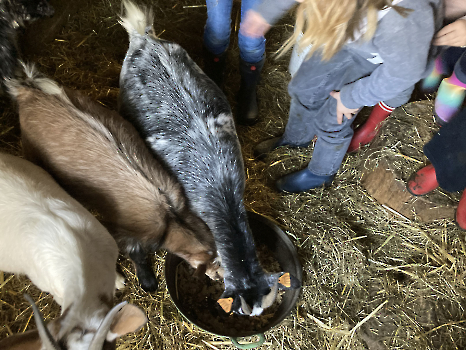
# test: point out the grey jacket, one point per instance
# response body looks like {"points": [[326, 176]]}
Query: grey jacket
{"points": [[403, 44]]}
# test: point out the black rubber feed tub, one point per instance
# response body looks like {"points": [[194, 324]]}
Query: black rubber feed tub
{"points": [[265, 232]]}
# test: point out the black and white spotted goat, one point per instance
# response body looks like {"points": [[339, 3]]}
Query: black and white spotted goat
{"points": [[14, 14], [186, 119]]}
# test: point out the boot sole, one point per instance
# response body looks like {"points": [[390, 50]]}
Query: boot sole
{"points": [[414, 194], [324, 185], [311, 189], [411, 178]]}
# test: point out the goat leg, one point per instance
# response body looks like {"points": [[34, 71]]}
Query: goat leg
{"points": [[144, 271]]}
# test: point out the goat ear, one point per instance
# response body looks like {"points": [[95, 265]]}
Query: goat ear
{"points": [[225, 303], [287, 281], [103, 331], [129, 319], [29, 340]]}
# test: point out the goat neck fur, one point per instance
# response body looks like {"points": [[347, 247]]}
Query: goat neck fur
{"points": [[186, 119], [100, 159]]}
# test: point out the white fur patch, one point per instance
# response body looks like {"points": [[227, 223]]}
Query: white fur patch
{"points": [[119, 282], [136, 20], [223, 123], [256, 311], [34, 78]]}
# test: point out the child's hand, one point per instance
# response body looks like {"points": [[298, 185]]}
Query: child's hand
{"points": [[341, 109], [453, 34], [254, 25]]}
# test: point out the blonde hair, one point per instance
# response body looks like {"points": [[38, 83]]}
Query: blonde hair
{"points": [[329, 24]]}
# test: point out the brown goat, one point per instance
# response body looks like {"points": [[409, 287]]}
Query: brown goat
{"points": [[100, 159]]}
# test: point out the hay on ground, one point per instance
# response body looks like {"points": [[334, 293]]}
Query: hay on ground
{"points": [[372, 278]]}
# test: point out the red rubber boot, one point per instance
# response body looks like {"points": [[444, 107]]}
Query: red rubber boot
{"points": [[460, 215], [423, 181], [366, 132]]}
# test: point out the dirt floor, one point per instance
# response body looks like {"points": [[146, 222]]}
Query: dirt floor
{"points": [[373, 278]]}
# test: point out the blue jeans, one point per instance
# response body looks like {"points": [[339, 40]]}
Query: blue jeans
{"points": [[313, 111], [218, 27]]}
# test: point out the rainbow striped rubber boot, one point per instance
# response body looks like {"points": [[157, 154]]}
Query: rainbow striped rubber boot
{"points": [[450, 97], [431, 83]]}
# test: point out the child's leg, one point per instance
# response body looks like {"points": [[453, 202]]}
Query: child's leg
{"points": [[251, 50], [330, 148], [443, 66], [366, 132], [217, 38], [432, 81], [312, 85], [451, 93], [300, 128], [252, 58], [333, 140], [310, 91], [218, 26]]}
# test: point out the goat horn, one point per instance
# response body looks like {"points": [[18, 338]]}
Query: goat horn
{"points": [[46, 338], [101, 335], [244, 306]]}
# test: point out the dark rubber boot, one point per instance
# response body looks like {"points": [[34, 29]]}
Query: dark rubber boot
{"points": [[365, 133], [460, 214], [267, 146], [247, 109], [214, 66], [423, 181], [303, 180]]}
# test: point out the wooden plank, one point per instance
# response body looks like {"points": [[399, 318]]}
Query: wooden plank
{"points": [[382, 184]]}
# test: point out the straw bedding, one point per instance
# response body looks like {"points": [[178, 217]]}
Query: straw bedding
{"points": [[373, 279]]}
